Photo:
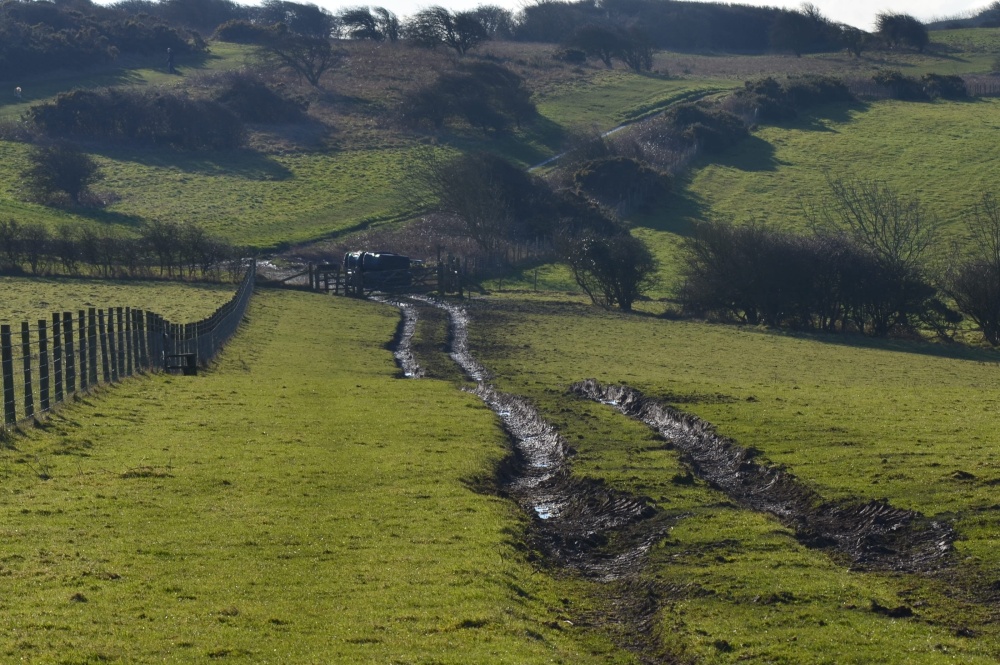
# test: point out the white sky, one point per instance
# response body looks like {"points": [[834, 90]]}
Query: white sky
{"points": [[859, 13]]}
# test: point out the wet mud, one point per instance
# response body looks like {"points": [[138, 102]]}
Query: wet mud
{"points": [[402, 343], [873, 534], [575, 524]]}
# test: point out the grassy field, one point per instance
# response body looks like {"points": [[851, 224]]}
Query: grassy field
{"points": [[28, 299], [299, 503], [931, 151], [900, 421]]}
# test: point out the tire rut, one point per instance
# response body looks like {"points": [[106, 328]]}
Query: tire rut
{"points": [[874, 534], [580, 525]]}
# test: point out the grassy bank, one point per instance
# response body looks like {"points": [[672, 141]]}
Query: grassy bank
{"points": [[298, 503], [851, 418]]}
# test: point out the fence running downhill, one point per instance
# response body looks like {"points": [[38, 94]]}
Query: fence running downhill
{"points": [[75, 352]]}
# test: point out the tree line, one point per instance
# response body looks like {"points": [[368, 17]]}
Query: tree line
{"points": [[165, 249], [864, 266], [37, 36]]}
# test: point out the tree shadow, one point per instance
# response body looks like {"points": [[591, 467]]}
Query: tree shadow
{"points": [[110, 218], [753, 154], [245, 163], [676, 214], [534, 142], [952, 351]]}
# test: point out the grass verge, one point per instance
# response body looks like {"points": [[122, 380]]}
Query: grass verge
{"points": [[298, 503]]}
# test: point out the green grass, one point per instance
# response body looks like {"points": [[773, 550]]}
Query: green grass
{"points": [[245, 197], [28, 299], [619, 96], [298, 503], [968, 40], [931, 151], [851, 418]]}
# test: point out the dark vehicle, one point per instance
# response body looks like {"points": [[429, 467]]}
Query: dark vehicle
{"points": [[381, 271]]}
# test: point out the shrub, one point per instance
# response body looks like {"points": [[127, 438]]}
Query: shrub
{"points": [[900, 86], [252, 100], [60, 167], [483, 94], [944, 87], [612, 270], [712, 129], [618, 181], [158, 117], [573, 56], [759, 275], [239, 31]]}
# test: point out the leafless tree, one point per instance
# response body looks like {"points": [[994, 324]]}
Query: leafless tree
{"points": [[895, 229], [974, 281]]}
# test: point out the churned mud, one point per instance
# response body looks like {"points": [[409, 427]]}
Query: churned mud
{"points": [[575, 524], [874, 534], [402, 343]]}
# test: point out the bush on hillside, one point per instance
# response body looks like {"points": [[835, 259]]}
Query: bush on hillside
{"points": [[252, 100], [240, 31], [158, 117], [621, 181], [59, 168], [939, 86], [712, 129], [900, 86], [485, 95], [770, 100], [611, 269], [758, 275]]}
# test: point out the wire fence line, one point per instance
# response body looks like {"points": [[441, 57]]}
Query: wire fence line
{"points": [[48, 362]]}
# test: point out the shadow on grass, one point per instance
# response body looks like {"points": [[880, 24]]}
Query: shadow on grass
{"points": [[938, 350], [246, 164], [108, 217], [533, 143]]}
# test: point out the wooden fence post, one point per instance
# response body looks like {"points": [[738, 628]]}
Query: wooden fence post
{"points": [[7, 358], [110, 360], [70, 374], [81, 329], [140, 338], [121, 342], [103, 331], [43, 365], [92, 347], [57, 356], [29, 396], [129, 347]]}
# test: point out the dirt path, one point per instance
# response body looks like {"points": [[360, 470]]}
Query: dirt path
{"points": [[576, 524], [402, 344], [874, 534]]}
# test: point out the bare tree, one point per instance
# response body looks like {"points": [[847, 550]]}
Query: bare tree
{"points": [[974, 282], [309, 57], [895, 229]]}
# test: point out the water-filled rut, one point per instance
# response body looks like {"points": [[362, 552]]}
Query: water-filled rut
{"points": [[874, 534]]}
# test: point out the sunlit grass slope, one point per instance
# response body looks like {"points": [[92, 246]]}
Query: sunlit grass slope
{"points": [[28, 299], [900, 421], [296, 504], [936, 152]]}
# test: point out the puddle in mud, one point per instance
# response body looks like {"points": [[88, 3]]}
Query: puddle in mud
{"points": [[874, 534], [578, 524], [403, 342]]}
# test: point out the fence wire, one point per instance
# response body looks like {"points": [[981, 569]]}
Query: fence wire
{"points": [[48, 362]]}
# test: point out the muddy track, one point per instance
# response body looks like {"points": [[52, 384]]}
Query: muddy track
{"points": [[402, 343], [575, 524], [874, 534]]}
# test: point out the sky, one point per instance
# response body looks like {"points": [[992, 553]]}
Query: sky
{"points": [[859, 13]]}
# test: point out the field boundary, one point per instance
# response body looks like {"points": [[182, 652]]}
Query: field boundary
{"points": [[70, 353]]}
